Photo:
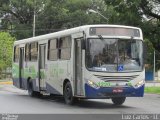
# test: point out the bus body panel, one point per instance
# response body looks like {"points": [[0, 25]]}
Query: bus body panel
{"points": [[56, 74], [107, 92], [107, 89], [15, 74]]}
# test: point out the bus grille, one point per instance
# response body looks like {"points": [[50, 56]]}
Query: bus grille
{"points": [[116, 78]]}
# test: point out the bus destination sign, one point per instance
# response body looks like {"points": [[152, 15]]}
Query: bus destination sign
{"points": [[115, 31]]}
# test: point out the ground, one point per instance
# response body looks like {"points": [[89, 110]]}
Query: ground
{"points": [[13, 100]]}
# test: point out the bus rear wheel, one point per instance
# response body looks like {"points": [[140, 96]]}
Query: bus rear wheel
{"points": [[31, 92], [118, 100], [68, 95]]}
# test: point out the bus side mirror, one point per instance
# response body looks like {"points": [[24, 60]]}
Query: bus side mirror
{"points": [[83, 44]]}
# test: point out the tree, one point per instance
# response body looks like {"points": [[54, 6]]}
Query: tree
{"points": [[18, 16], [6, 42], [58, 15], [51, 15], [151, 8]]}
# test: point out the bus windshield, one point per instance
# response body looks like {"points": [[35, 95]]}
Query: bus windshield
{"points": [[114, 55]]}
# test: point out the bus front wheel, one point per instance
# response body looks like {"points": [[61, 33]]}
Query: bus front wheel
{"points": [[68, 95], [118, 100]]}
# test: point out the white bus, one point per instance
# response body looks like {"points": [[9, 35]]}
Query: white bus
{"points": [[90, 62]]}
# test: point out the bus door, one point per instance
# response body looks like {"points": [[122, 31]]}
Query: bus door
{"points": [[42, 56], [21, 67], [78, 67]]}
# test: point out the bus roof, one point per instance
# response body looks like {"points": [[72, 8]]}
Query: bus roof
{"points": [[67, 32]]}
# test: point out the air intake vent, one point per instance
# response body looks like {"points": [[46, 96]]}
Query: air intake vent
{"points": [[116, 78]]}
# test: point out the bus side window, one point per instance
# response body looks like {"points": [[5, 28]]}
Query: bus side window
{"points": [[65, 48], [52, 49], [27, 52], [34, 51], [16, 54]]}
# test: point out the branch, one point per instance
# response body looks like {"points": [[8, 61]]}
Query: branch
{"points": [[147, 10]]}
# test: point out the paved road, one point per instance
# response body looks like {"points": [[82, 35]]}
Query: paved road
{"points": [[13, 100]]}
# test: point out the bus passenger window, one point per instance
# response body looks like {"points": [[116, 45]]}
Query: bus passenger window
{"points": [[27, 52], [65, 48], [34, 51], [16, 54], [52, 50]]}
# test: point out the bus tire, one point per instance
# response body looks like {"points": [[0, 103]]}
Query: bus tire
{"points": [[30, 90], [67, 93], [118, 100]]}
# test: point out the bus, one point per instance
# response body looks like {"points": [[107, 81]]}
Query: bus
{"points": [[85, 62]]}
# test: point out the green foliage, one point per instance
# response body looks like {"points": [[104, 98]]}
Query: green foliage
{"points": [[51, 15], [58, 15], [126, 12], [149, 55], [18, 16], [154, 90], [22, 31], [6, 42]]}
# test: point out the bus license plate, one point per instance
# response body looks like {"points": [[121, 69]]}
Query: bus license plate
{"points": [[117, 90]]}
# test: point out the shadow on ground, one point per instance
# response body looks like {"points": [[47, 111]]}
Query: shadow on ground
{"points": [[83, 103]]}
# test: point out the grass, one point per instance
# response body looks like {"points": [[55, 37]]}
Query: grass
{"points": [[154, 90]]}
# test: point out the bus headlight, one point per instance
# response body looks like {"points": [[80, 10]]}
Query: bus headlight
{"points": [[92, 84], [140, 83]]}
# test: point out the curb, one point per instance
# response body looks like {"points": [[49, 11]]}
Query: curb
{"points": [[152, 84], [6, 82]]}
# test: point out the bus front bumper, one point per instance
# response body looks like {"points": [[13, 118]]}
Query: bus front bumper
{"points": [[109, 92]]}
